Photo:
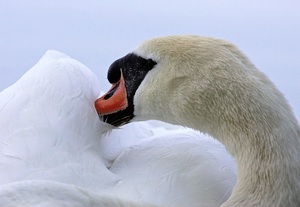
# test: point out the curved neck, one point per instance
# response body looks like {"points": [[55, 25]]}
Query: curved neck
{"points": [[268, 170], [266, 146], [267, 155]]}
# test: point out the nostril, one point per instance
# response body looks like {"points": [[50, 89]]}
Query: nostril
{"points": [[111, 92], [107, 96]]}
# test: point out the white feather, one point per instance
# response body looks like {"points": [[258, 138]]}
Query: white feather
{"points": [[54, 150]]}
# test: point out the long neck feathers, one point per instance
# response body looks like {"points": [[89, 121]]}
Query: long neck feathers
{"points": [[212, 87], [261, 132]]}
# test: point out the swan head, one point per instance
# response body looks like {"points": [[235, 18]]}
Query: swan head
{"points": [[203, 83], [210, 85]]}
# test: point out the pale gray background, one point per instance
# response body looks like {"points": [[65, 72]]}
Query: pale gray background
{"points": [[98, 32]]}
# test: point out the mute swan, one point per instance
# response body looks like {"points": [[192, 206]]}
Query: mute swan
{"points": [[209, 85], [53, 153]]}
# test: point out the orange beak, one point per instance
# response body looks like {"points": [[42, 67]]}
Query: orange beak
{"points": [[114, 100]]}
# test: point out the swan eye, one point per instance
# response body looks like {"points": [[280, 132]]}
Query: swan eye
{"points": [[130, 63], [133, 68]]}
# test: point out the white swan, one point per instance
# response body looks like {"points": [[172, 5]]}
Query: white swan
{"points": [[48, 124], [52, 152], [209, 85]]}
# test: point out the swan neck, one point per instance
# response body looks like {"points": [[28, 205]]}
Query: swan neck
{"points": [[268, 167]]}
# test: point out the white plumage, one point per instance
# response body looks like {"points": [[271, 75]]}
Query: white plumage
{"points": [[210, 85], [53, 151]]}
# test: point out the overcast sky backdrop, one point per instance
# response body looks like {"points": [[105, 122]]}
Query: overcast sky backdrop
{"points": [[98, 32]]}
